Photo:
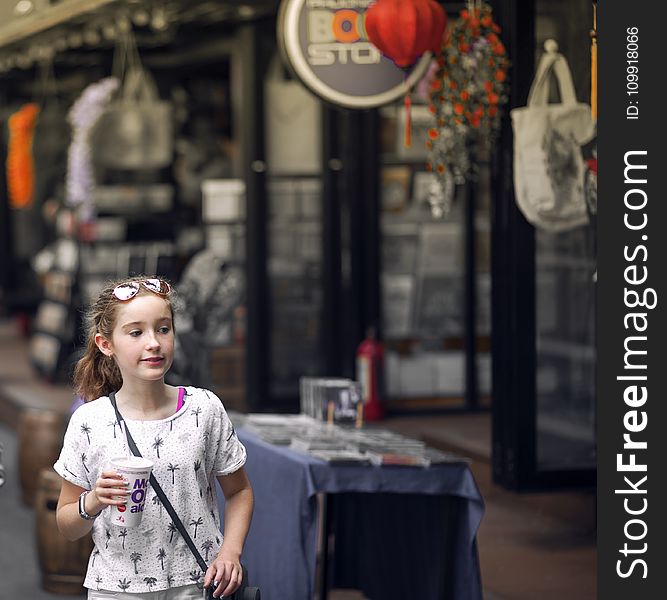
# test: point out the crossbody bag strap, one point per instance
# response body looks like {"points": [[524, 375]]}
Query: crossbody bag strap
{"points": [[160, 492]]}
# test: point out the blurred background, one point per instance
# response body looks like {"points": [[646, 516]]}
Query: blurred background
{"points": [[295, 230]]}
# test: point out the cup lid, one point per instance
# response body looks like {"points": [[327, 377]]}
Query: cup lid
{"points": [[138, 463]]}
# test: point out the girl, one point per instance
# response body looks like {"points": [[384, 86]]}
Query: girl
{"points": [[184, 431]]}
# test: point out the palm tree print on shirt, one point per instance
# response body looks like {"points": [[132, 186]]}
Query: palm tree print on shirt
{"points": [[196, 412], [170, 580], [173, 469], [161, 555], [123, 584], [172, 529], [113, 424], [70, 472], [122, 534], [150, 582], [85, 428], [95, 554], [158, 502], [107, 533], [196, 523], [135, 557], [206, 547], [156, 445], [195, 576], [83, 460], [197, 466], [98, 580]]}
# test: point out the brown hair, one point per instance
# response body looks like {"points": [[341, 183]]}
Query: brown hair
{"points": [[96, 374]]}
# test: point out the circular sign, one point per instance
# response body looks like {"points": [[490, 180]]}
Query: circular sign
{"points": [[325, 44]]}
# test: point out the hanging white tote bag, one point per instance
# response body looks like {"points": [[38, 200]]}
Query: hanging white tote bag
{"points": [[549, 169]]}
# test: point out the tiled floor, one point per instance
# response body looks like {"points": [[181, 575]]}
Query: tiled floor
{"points": [[536, 546]]}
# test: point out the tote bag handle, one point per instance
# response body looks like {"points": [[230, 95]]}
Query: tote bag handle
{"points": [[552, 60]]}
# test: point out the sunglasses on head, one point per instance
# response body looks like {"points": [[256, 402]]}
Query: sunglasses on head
{"points": [[127, 291]]}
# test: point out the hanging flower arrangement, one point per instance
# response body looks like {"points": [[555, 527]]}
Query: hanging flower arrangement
{"points": [[467, 93], [84, 114]]}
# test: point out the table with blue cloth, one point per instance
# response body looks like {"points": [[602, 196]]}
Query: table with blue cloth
{"points": [[394, 532]]}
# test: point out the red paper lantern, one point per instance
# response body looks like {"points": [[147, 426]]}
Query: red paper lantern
{"points": [[404, 29]]}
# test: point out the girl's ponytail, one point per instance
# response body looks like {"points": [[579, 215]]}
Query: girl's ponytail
{"points": [[95, 374]]}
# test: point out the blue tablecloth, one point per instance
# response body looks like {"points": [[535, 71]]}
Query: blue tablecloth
{"points": [[443, 504]]}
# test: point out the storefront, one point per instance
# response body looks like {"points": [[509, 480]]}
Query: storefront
{"points": [[327, 229]]}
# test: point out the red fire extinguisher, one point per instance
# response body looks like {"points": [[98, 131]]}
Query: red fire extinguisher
{"points": [[369, 374]]}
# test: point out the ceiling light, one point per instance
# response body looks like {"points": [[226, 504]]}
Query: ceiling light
{"points": [[246, 11], [23, 7]]}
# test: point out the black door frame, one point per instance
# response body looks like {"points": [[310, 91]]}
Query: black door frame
{"points": [[514, 439]]}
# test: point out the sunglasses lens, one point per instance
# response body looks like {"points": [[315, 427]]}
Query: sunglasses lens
{"points": [[158, 286], [125, 291]]}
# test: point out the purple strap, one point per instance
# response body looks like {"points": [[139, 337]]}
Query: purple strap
{"points": [[181, 395]]}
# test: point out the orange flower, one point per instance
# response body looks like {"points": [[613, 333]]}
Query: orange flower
{"points": [[463, 47], [436, 85], [479, 112], [495, 28], [493, 110], [432, 109], [429, 167], [465, 95], [441, 168], [465, 14], [493, 98], [486, 21], [498, 49], [475, 122], [433, 133], [500, 75], [492, 38], [458, 108], [452, 84], [488, 86]]}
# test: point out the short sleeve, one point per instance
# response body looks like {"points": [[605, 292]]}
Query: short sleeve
{"points": [[71, 464], [229, 452]]}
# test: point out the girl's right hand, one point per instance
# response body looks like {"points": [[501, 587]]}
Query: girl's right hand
{"points": [[110, 489]]}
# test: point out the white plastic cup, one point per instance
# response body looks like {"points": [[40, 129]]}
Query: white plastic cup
{"points": [[137, 470]]}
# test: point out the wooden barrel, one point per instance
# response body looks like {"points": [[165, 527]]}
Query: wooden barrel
{"points": [[63, 563], [40, 435]]}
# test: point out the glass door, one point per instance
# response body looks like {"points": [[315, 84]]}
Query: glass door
{"points": [[435, 276], [543, 290]]}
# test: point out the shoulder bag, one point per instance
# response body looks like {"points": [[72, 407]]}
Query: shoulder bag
{"points": [[549, 168]]}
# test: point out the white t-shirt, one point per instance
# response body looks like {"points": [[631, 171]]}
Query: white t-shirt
{"points": [[189, 450]]}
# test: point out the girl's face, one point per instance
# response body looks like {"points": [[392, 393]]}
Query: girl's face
{"points": [[143, 338]]}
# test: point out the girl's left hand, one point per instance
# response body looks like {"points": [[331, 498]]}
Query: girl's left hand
{"points": [[224, 574]]}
